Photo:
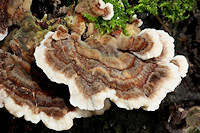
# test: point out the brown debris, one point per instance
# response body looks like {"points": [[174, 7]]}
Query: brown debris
{"points": [[26, 39], [23, 43], [193, 116], [3, 15], [13, 12]]}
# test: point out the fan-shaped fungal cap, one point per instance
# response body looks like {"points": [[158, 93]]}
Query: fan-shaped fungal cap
{"points": [[61, 33], [25, 95], [168, 46], [140, 22], [109, 7], [104, 67], [182, 64], [3, 35], [155, 46]]}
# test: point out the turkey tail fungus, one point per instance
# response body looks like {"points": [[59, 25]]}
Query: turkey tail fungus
{"points": [[63, 68], [98, 68]]}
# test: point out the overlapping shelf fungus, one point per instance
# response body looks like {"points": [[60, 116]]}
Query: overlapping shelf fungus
{"points": [[64, 68]]}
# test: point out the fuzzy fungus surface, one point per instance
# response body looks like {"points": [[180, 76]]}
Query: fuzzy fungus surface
{"points": [[132, 71]]}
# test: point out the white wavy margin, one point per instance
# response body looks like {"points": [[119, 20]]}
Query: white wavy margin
{"points": [[157, 47], [35, 115], [109, 7], [96, 102]]}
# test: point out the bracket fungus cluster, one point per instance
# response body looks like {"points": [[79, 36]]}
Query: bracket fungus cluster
{"points": [[61, 76], [96, 8], [23, 96]]}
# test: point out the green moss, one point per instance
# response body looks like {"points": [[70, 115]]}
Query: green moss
{"points": [[171, 10]]}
